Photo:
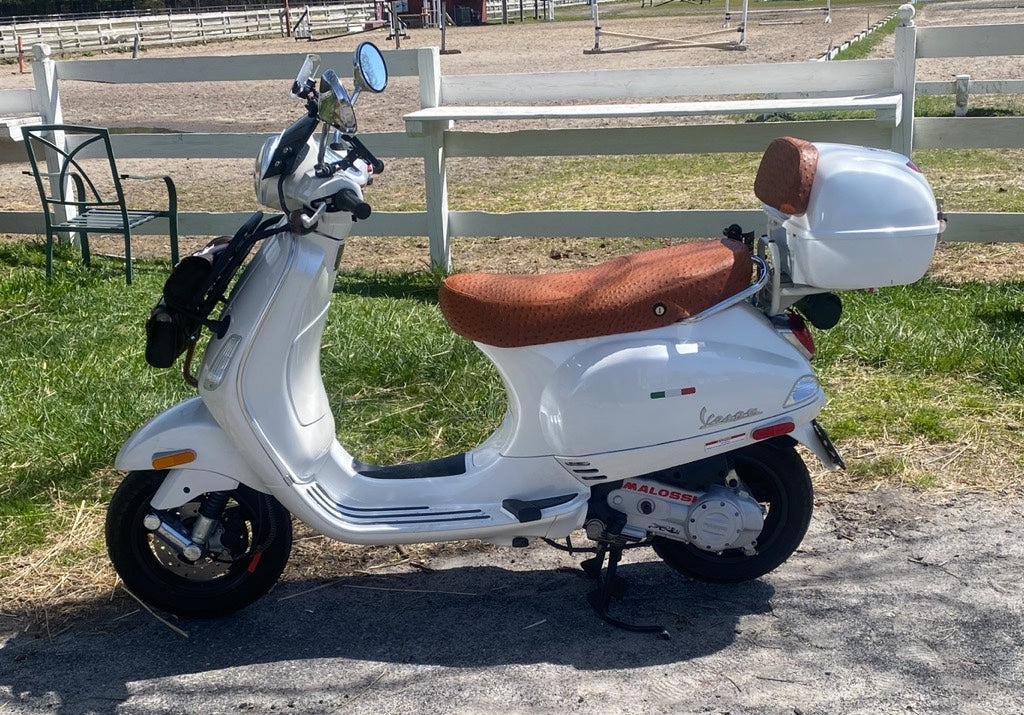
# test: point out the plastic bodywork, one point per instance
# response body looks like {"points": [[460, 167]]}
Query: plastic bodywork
{"points": [[580, 412]]}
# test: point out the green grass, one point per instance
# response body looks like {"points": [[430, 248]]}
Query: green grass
{"points": [[404, 387], [969, 331], [675, 182], [928, 362], [924, 364], [74, 382]]}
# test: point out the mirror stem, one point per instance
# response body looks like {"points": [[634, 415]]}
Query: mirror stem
{"points": [[323, 144]]}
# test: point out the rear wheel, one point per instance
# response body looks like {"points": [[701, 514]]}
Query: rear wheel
{"points": [[775, 476], [245, 554]]}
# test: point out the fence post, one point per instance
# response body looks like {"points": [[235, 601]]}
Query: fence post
{"points": [[434, 161], [963, 90], [904, 79], [44, 73]]}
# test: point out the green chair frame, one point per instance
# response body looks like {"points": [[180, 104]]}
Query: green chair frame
{"points": [[57, 167]]}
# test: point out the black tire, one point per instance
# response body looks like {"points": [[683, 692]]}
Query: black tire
{"points": [[257, 527], [775, 476]]}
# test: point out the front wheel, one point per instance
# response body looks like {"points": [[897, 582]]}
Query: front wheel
{"points": [[775, 476], [242, 559]]}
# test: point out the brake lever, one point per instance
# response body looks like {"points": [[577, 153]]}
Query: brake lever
{"points": [[363, 153]]}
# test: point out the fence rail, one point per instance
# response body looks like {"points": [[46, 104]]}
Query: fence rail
{"points": [[925, 133], [67, 36], [72, 36]]}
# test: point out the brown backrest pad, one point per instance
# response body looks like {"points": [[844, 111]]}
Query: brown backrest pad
{"points": [[636, 292], [785, 175]]}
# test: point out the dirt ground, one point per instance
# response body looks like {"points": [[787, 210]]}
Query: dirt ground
{"points": [[896, 603]]}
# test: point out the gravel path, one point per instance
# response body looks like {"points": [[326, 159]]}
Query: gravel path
{"points": [[895, 603]]}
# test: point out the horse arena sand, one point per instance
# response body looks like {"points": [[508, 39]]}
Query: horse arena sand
{"points": [[487, 49], [513, 48], [212, 185]]}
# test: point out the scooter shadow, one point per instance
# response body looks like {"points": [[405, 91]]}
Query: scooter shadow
{"points": [[469, 616]]}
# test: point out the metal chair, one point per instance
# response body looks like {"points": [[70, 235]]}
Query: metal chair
{"points": [[55, 152]]}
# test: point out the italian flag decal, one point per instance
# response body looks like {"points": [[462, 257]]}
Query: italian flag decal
{"points": [[677, 392]]}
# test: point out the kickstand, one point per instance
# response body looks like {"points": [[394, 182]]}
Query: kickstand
{"points": [[610, 585]]}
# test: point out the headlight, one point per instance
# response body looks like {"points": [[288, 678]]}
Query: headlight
{"points": [[215, 375]]}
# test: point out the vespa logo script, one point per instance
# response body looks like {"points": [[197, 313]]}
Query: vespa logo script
{"points": [[710, 419]]}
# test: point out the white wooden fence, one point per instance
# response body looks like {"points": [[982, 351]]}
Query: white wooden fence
{"points": [[127, 32], [76, 36], [443, 224]]}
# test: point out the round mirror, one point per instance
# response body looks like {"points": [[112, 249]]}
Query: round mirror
{"points": [[335, 106], [371, 70]]}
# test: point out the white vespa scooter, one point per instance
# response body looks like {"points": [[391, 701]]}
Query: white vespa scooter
{"points": [[654, 400]]}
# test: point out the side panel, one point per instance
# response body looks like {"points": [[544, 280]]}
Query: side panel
{"points": [[638, 390], [269, 395]]}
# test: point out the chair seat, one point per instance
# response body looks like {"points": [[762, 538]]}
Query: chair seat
{"points": [[97, 220], [55, 152]]}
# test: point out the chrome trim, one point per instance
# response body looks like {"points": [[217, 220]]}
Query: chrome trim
{"points": [[173, 536], [743, 295]]}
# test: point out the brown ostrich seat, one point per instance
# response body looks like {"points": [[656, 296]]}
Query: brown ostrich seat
{"points": [[636, 292]]}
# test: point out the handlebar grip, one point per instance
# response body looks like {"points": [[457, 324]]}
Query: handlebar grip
{"points": [[348, 200]]}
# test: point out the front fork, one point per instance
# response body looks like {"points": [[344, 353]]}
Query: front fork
{"points": [[190, 544]]}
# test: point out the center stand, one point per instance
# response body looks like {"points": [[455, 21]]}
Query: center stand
{"points": [[610, 584]]}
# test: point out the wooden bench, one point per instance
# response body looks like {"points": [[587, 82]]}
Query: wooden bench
{"points": [[10, 127], [887, 107]]}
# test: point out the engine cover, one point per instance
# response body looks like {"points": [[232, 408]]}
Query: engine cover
{"points": [[718, 519]]}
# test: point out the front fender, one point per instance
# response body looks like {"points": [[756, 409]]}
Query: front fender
{"points": [[183, 485], [188, 426]]}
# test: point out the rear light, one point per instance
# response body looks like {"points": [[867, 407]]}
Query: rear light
{"points": [[805, 388], [801, 332], [773, 430]]}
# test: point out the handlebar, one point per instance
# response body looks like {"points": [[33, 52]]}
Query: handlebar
{"points": [[361, 152], [357, 150], [348, 200]]}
